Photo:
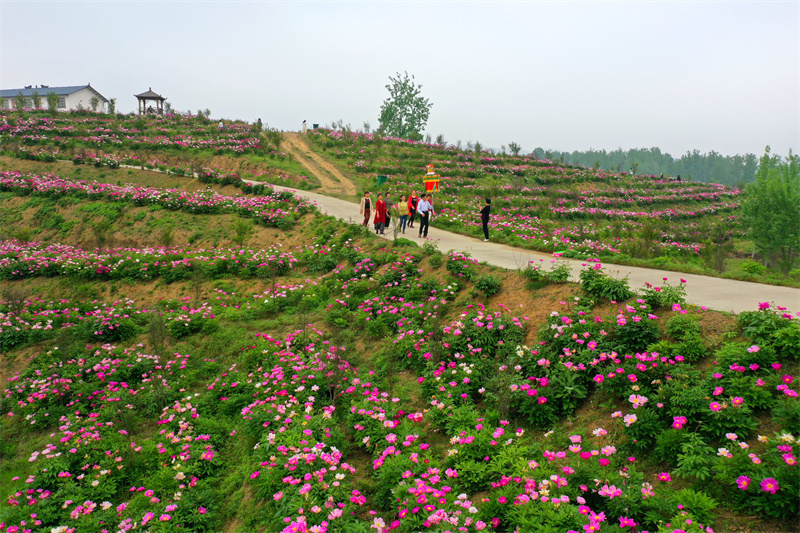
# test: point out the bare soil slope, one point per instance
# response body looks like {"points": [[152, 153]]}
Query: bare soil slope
{"points": [[332, 180]]}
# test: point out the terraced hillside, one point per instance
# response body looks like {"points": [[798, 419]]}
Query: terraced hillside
{"points": [[196, 353]]}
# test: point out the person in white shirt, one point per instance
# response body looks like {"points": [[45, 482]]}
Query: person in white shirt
{"points": [[425, 210]]}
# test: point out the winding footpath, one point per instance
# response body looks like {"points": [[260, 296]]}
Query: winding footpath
{"points": [[714, 293]]}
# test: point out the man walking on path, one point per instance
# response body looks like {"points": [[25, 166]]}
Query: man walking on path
{"points": [[485, 219], [425, 210]]}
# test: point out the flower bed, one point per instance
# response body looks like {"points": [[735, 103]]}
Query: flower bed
{"points": [[275, 210]]}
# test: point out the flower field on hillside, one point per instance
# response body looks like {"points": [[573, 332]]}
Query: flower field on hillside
{"points": [[115, 140], [278, 209], [125, 436], [323, 380], [547, 206]]}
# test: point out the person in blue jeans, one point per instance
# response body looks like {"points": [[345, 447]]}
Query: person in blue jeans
{"points": [[400, 211]]}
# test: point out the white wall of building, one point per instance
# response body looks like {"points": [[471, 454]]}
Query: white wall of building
{"points": [[81, 98]]}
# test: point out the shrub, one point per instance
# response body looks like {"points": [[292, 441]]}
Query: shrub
{"points": [[488, 284], [642, 434], [632, 336], [668, 445], [461, 264], [753, 267], [598, 285], [430, 247], [679, 327], [560, 273], [696, 458], [768, 327], [740, 353], [691, 349]]}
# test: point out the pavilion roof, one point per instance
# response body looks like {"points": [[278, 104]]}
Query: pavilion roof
{"points": [[149, 95]]}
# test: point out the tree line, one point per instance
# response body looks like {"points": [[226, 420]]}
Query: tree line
{"points": [[711, 167]]}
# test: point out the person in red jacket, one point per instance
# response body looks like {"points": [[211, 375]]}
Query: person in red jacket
{"points": [[412, 208], [380, 215]]}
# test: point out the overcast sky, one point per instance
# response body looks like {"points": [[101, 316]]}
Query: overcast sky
{"points": [[721, 76]]}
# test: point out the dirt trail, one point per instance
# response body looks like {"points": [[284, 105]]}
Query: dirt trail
{"points": [[333, 181]]}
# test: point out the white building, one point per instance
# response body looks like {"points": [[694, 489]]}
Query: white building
{"points": [[69, 98]]}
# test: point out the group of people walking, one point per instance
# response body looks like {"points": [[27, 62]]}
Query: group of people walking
{"points": [[406, 212]]}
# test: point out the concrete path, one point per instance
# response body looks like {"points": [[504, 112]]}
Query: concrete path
{"points": [[715, 293]]}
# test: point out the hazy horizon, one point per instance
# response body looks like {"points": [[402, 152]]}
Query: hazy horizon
{"points": [[680, 76]]}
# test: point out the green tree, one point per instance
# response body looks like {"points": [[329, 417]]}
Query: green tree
{"points": [[274, 136], [514, 148], [772, 210], [112, 106], [94, 102], [405, 113], [52, 102], [37, 100], [19, 101]]}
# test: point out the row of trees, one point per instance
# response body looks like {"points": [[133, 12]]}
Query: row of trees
{"points": [[772, 211], [711, 167]]}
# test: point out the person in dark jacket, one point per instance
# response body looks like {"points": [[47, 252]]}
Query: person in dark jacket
{"points": [[485, 218], [388, 203], [425, 208]]}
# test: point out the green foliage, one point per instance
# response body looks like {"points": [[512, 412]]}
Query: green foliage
{"points": [[634, 335], [786, 415], [772, 210], [771, 328], [753, 267], [690, 349], [740, 353], [664, 296], [405, 113], [488, 284], [274, 136], [679, 327], [668, 445], [430, 247], [698, 505], [642, 434], [244, 230], [597, 284], [696, 459], [52, 102], [710, 167], [560, 273]]}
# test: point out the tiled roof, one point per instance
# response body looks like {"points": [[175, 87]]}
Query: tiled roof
{"points": [[43, 91]]}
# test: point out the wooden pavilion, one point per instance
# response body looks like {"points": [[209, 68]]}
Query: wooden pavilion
{"points": [[150, 96]]}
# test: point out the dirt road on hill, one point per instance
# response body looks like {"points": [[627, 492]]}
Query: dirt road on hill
{"points": [[333, 181]]}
